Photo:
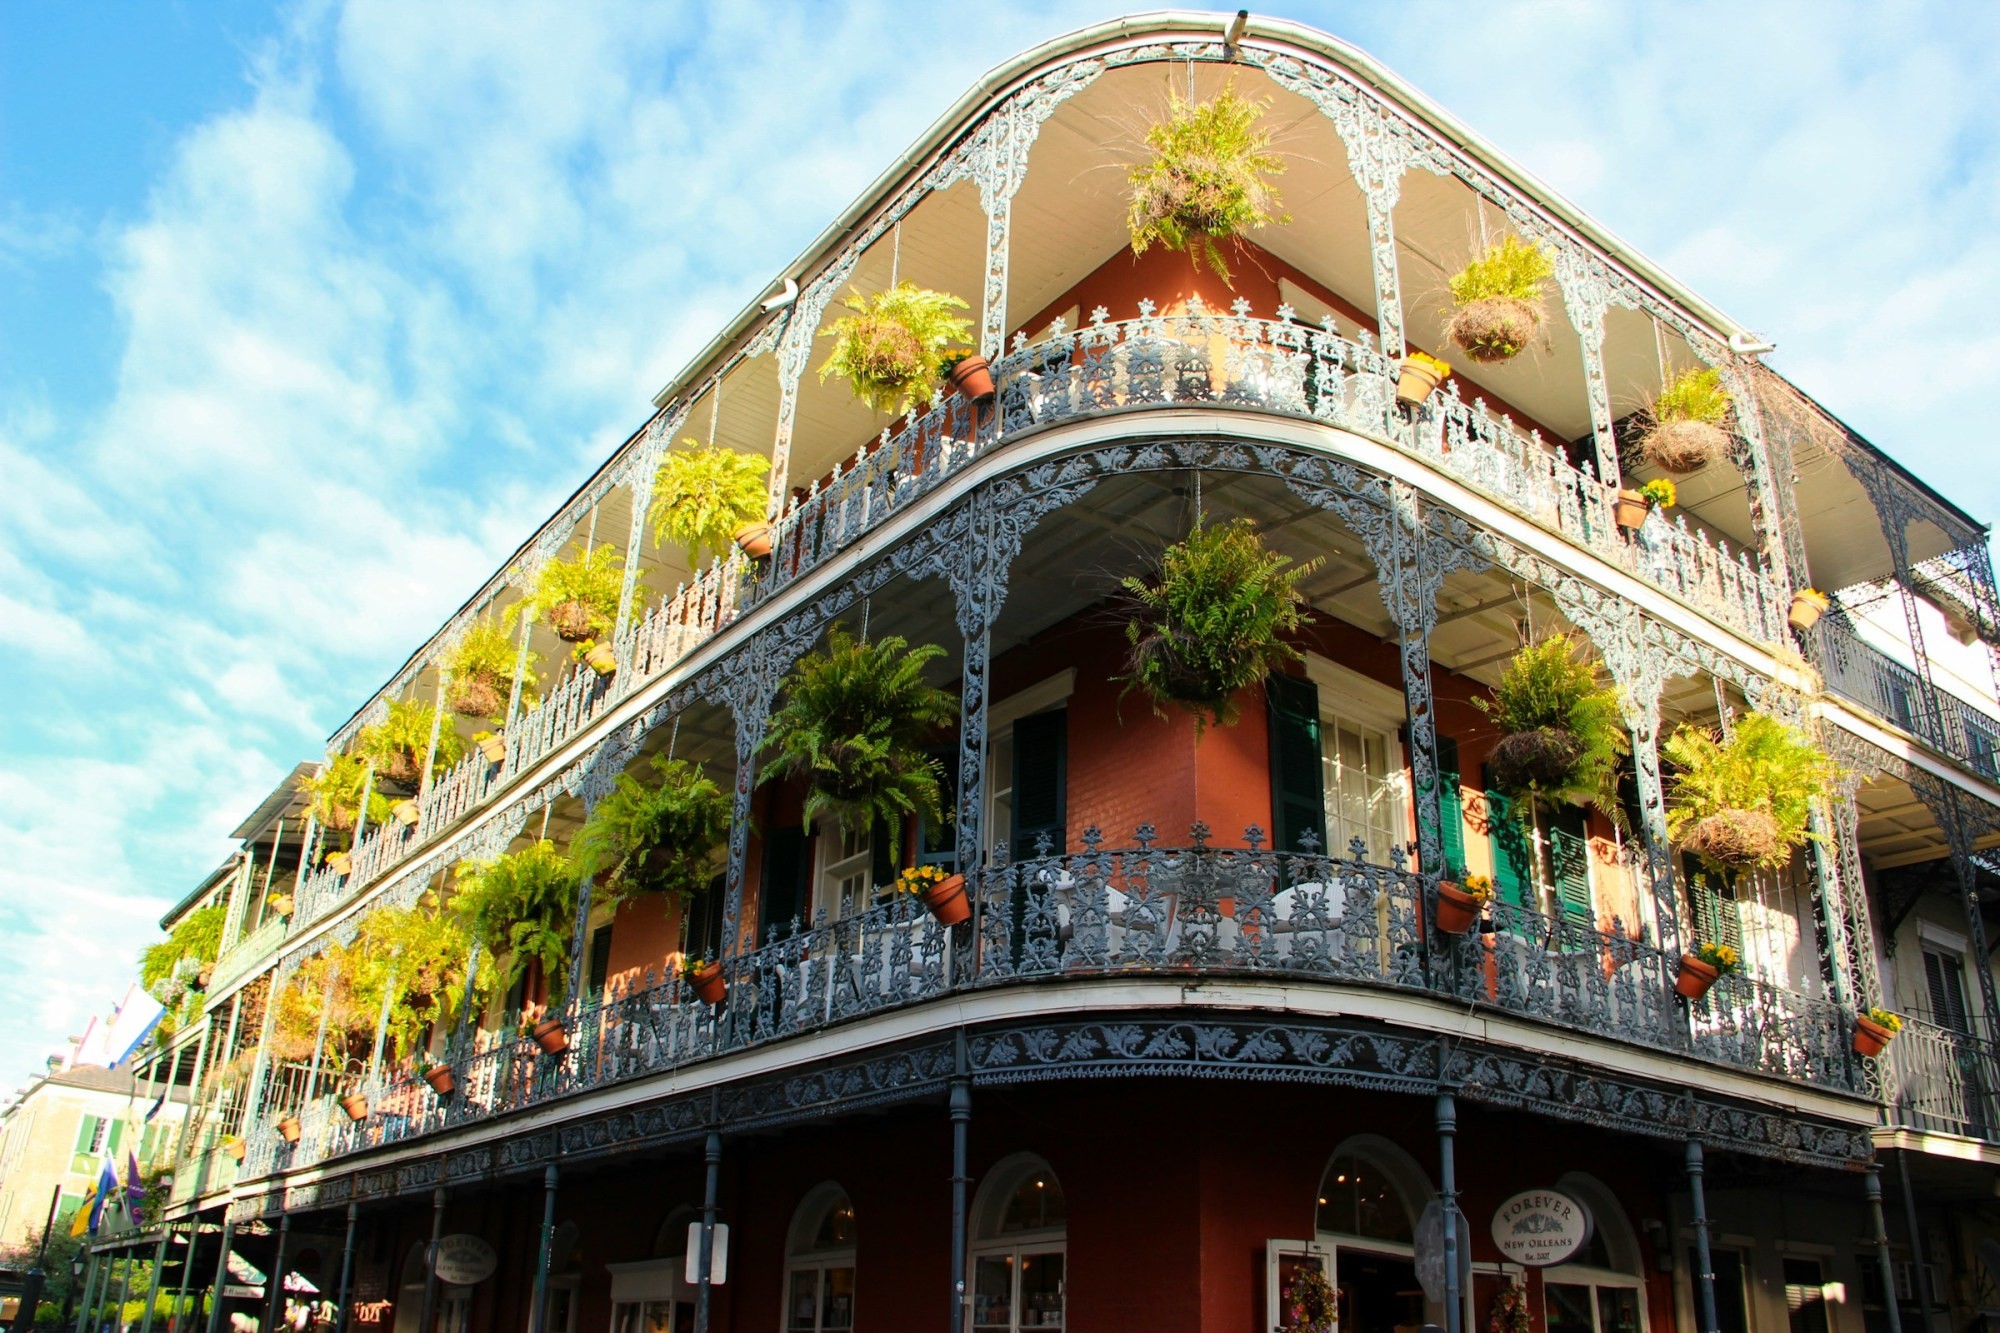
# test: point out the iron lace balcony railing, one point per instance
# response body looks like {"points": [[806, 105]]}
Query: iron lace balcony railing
{"points": [[1879, 683], [1941, 1081], [1231, 361], [1220, 913]]}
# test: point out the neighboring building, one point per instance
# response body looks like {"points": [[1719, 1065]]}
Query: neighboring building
{"points": [[1202, 1031], [60, 1131]]}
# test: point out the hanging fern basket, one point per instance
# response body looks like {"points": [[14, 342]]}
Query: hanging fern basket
{"points": [[1734, 839], [1682, 447], [478, 695], [1495, 328], [572, 622], [1538, 760]]}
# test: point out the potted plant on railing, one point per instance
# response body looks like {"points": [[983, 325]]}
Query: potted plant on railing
{"points": [[437, 1073], [1631, 507], [854, 724], [233, 1145], [399, 743], [1743, 802], [1208, 179], [521, 907], [1419, 376], [281, 902], [1808, 605], [1561, 727], [577, 597], [479, 675], [355, 1106], [706, 498], [599, 657], [1874, 1030], [941, 891], [658, 837], [1703, 967], [289, 1128], [1686, 434], [418, 956], [334, 794], [1460, 903], [891, 349], [1499, 299], [969, 373], [704, 977], [549, 1034], [1209, 621]]}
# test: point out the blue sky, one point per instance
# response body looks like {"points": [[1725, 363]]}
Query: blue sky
{"points": [[308, 314]]}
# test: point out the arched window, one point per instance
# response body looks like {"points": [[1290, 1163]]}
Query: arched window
{"points": [[819, 1263], [1364, 1228], [1601, 1288], [654, 1295], [1020, 1229]]}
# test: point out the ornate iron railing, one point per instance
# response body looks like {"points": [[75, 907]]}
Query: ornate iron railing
{"points": [[1893, 691], [1185, 912], [1194, 359], [1935, 1079], [246, 955]]}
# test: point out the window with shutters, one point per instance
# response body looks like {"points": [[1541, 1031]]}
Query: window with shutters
{"points": [[1363, 781], [1569, 860], [1451, 806], [1298, 806], [781, 898], [600, 960], [1944, 980], [1716, 918], [847, 872], [704, 918], [93, 1139], [1027, 782], [937, 839], [1540, 859]]}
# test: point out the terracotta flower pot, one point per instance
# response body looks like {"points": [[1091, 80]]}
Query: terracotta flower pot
{"points": [[1695, 977], [602, 659], [708, 983], [235, 1149], [1630, 509], [552, 1036], [289, 1129], [356, 1106], [342, 863], [1870, 1037], [1456, 909], [754, 539], [1416, 380], [494, 748], [1808, 605], [440, 1079], [406, 813], [947, 901], [281, 903], [973, 377]]}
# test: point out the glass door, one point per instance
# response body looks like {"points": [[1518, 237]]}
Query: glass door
{"points": [[1017, 1289]]}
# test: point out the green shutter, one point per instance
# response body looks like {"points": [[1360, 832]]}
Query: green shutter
{"points": [[600, 960], [783, 896], [116, 1137], [1298, 801], [1716, 919], [1569, 860], [1451, 807], [86, 1135], [881, 865], [937, 839], [1041, 755], [1513, 854]]}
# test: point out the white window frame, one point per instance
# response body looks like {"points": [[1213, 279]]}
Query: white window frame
{"points": [[1041, 697], [833, 863], [660, 1281], [1020, 1246], [816, 1262], [1363, 703]]}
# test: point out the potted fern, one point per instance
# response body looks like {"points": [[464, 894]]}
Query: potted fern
{"points": [[891, 348], [1632, 507], [1208, 180], [1561, 728], [1874, 1030], [577, 597], [334, 794], [1743, 802], [521, 908], [397, 745], [1499, 299], [707, 497], [1703, 967], [657, 837], [479, 671], [1209, 621], [1686, 432], [854, 724]]}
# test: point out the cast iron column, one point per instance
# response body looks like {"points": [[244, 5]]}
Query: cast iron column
{"points": [[1871, 1185], [538, 1317], [1447, 1128], [346, 1287], [1921, 1285], [83, 1301], [961, 1124], [713, 1155], [1704, 1268], [152, 1287], [221, 1273], [429, 1307], [274, 1308]]}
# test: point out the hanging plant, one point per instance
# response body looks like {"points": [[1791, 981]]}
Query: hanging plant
{"points": [[1686, 434], [655, 838], [703, 496], [1208, 180], [398, 743], [520, 907], [1209, 621], [1499, 298], [167, 967], [418, 954], [1562, 731], [334, 794], [479, 672], [577, 598], [1743, 803], [854, 724], [321, 998], [891, 349]]}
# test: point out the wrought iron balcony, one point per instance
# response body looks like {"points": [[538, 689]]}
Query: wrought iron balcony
{"points": [[1884, 686], [246, 955], [1184, 913], [1941, 1081], [1200, 359]]}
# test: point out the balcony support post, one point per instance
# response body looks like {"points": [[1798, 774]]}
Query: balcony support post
{"points": [[194, 1087], [429, 1307], [344, 1293], [514, 691], [1766, 464], [1704, 1264], [187, 1272], [961, 1125], [538, 1317], [644, 469], [1618, 634], [215, 1288], [1956, 822], [1586, 293], [88, 1300], [1871, 1185], [274, 1280], [1920, 1284], [751, 707], [1844, 826], [1447, 1132], [431, 746], [1830, 891], [1378, 154], [712, 1156], [153, 1280], [253, 1092], [124, 1270], [1411, 562]]}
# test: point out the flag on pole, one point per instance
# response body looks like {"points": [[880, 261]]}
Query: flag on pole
{"points": [[107, 1185], [81, 1221], [135, 1190]]}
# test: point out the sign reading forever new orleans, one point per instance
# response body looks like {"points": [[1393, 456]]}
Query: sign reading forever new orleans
{"points": [[463, 1260], [1540, 1227]]}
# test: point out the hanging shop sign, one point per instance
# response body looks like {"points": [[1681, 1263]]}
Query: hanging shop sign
{"points": [[1540, 1227], [463, 1260]]}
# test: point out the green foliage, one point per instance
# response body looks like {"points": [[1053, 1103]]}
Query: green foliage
{"points": [[419, 954], [854, 724], [479, 671], [1210, 620], [335, 794], [1513, 268], [1660, 493], [578, 597], [1693, 395], [323, 987], [196, 939], [1550, 686], [520, 906], [1763, 767], [658, 838], [703, 494], [891, 348], [1207, 179], [398, 743]]}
